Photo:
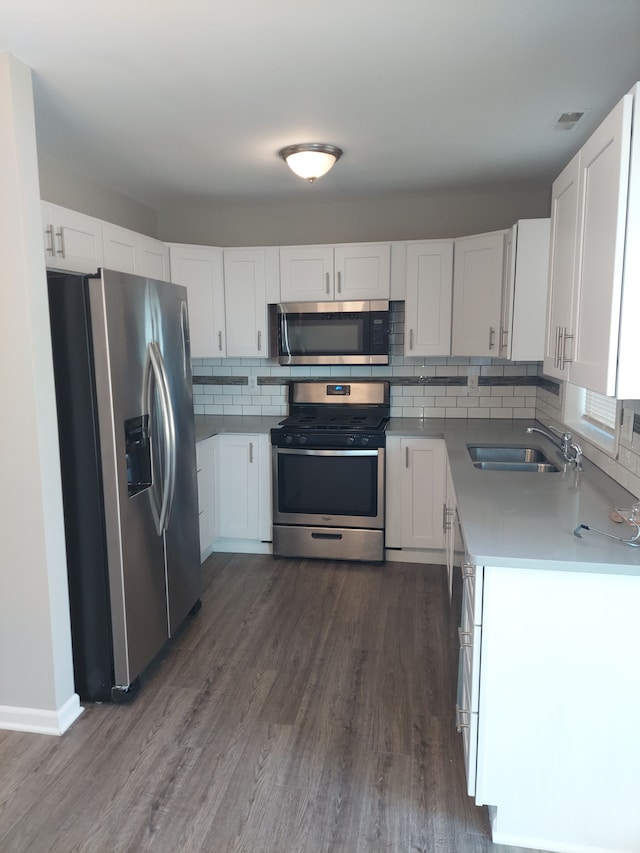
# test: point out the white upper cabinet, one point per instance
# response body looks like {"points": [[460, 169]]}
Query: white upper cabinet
{"points": [[152, 258], [200, 270], [592, 306], [246, 276], [602, 209], [429, 284], [128, 251], [72, 241], [345, 273], [562, 251], [477, 294], [524, 293]]}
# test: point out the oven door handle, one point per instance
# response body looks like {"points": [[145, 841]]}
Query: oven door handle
{"points": [[333, 452]]}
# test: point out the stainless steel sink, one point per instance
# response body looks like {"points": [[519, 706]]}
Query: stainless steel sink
{"points": [[511, 458]]}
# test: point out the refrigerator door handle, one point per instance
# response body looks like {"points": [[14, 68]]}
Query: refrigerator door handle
{"points": [[156, 369], [186, 339]]}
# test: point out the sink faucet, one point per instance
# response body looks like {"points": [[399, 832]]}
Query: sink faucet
{"points": [[571, 452]]}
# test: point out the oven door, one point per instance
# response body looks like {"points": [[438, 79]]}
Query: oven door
{"points": [[329, 488]]}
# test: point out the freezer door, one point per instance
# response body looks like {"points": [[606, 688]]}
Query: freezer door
{"points": [[181, 528], [124, 322]]}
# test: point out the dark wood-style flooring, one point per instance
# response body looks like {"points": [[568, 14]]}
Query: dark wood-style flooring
{"points": [[309, 706]]}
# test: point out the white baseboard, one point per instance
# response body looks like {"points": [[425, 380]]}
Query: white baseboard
{"points": [[38, 720], [415, 555], [242, 546]]}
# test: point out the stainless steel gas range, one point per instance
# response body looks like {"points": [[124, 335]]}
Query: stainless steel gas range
{"points": [[328, 471]]}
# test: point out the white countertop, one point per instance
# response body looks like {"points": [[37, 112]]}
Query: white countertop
{"points": [[510, 518]]}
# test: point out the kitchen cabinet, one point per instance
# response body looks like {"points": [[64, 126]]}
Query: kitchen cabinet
{"points": [[346, 273], [450, 525], [469, 635], [243, 480], [429, 285], [247, 276], [200, 270], [127, 251], [207, 504], [152, 258], [72, 241], [477, 294], [591, 307], [524, 291], [415, 483]]}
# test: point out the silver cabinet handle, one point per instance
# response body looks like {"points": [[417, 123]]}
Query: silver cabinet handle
{"points": [[51, 245], [504, 335], [492, 335], [220, 341], [564, 337], [465, 639], [556, 361], [251, 453], [410, 339], [459, 714], [444, 516], [61, 250], [406, 457], [339, 282], [259, 341], [327, 284], [468, 570]]}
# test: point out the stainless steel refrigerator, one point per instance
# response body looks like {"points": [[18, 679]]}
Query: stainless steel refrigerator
{"points": [[122, 370]]}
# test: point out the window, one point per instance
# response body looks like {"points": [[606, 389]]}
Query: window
{"points": [[593, 417]]}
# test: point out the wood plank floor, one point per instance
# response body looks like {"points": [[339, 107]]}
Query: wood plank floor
{"points": [[307, 707]]}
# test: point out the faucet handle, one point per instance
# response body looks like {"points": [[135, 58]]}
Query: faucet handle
{"points": [[565, 436]]}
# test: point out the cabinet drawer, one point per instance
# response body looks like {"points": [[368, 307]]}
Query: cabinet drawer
{"points": [[467, 724], [470, 653]]}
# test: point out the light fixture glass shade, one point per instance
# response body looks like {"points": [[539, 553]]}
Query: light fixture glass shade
{"points": [[310, 160]]}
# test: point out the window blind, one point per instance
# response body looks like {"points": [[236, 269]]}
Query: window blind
{"points": [[600, 410]]}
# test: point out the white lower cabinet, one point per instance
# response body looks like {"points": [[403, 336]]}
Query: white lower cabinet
{"points": [[207, 505], [450, 525], [243, 482], [545, 690], [415, 478]]}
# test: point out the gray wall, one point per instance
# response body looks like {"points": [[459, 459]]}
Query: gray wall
{"points": [[69, 190], [350, 220]]}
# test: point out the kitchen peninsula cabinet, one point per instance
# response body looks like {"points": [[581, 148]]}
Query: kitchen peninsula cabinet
{"points": [[72, 241], [343, 273], [200, 269], [593, 303], [477, 294], [429, 286], [415, 478]]}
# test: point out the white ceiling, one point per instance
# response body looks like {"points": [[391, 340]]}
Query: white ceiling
{"points": [[190, 101]]}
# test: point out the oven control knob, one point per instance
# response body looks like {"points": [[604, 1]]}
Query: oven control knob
{"points": [[365, 439], [288, 439], [302, 439], [351, 439]]}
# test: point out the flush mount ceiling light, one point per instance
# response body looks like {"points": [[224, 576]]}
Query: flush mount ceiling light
{"points": [[310, 160]]}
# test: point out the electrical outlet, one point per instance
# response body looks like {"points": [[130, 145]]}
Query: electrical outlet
{"points": [[626, 432], [472, 384], [252, 382]]}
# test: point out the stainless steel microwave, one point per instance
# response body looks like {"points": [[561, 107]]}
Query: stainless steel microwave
{"points": [[333, 332]]}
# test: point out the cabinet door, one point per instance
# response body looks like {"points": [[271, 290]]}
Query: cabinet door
{"points": [[152, 258], [306, 274], [73, 241], [119, 247], [562, 249], [524, 305], [238, 481], [362, 272], [200, 270], [245, 302], [602, 205], [428, 298], [477, 294], [205, 461], [449, 520]]}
